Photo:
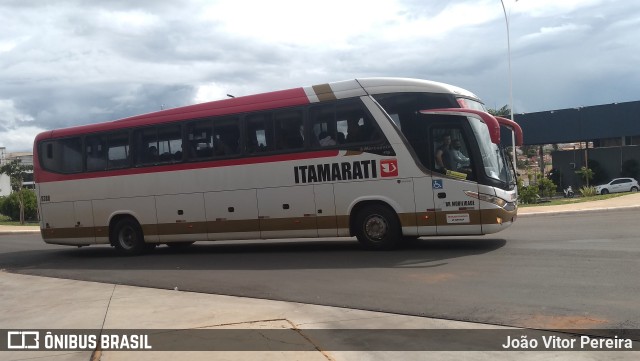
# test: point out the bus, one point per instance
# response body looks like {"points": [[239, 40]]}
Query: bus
{"points": [[381, 159]]}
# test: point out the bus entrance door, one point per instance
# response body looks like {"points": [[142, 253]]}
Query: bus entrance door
{"points": [[456, 212]]}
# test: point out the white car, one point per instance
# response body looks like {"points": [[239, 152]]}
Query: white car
{"points": [[618, 185]]}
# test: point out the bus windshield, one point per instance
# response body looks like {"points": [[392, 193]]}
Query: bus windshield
{"points": [[493, 159]]}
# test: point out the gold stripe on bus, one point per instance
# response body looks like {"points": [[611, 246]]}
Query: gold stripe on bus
{"points": [[474, 218], [230, 226], [343, 222], [288, 224], [150, 229], [327, 222], [497, 216], [324, 92], [420, 219], [407, 219], [165, 229], [72, 232], [426, 219]]}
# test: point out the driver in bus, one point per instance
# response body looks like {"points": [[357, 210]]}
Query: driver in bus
{"points": [[443, 154], [460, 160]]}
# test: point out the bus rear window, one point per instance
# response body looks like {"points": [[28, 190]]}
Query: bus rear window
{"points": [[62, 155]]}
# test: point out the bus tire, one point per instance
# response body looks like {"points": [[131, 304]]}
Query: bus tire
{"points": [[377, 227], [128, 238]]}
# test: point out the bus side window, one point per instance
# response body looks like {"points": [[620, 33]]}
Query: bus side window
{"points": [[359, 125], [118, 150], [95, 151], [259, 133], [169, 143], [323, 125], [146, 146], [289, 129], [71, 155], [200, 138], [226, 137], [63, 155], [48, 161]]}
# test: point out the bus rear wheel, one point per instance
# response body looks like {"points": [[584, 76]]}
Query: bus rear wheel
{"points": [[128, 239], [377, 227]]}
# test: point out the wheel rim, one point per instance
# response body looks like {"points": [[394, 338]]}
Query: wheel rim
{"points": [[127, 238], [376, 227], [634, 189]]}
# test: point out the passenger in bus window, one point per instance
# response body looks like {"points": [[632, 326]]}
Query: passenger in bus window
{"points": [[461, 161], [288, 136], [325, 139], [166, 157], [152, 154], [443, 154], [355, 131], [220, 148]]}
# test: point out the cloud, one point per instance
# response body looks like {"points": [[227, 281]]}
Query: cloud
{"points": [[74, 62], [17, 129]]}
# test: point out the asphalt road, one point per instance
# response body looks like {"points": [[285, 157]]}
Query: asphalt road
{"points": [[549, 272]]}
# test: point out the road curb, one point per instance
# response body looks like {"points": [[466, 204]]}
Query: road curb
{"points": [[574, 211], [19, 232]]}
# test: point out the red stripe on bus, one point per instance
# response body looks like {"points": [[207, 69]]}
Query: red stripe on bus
{"points": [[250, 103], [42, 176]]}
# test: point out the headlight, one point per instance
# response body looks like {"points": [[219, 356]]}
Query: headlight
{"points": [[508, 206]]}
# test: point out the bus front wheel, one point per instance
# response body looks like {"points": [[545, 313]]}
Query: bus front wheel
{"points": [[377, 227], [128, 239]]}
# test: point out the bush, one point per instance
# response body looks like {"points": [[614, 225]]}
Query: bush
{"points": [[556, 176], [528, 195], [10, 206], [588, 191], [2, 200], [547, 187]]}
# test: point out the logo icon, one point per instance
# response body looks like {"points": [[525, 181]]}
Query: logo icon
{"points": [[437, 184], [23, 340], [389, 168]]}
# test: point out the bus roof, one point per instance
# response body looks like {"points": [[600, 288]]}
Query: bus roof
{"points": [[270, 100]]}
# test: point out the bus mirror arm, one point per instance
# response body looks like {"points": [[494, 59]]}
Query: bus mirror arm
{"points": [[515, 127]]}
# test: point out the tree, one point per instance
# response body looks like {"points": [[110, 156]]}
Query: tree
{"points": [[10, 206], [16, 172], [502, 112], [586, 174]]}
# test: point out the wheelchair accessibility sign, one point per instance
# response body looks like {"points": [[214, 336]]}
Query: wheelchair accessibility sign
{"points": [[437, 184]]}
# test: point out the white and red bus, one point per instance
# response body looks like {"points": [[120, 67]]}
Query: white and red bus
{"points": [[382, 159]]}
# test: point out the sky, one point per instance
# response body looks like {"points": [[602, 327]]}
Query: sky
{"points": [[71, 62]]}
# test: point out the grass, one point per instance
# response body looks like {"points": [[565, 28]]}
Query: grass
{"points": [[577, 199], [6, 221]]}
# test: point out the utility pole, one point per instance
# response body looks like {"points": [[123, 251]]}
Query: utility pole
{"points": [[513, 136]]}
